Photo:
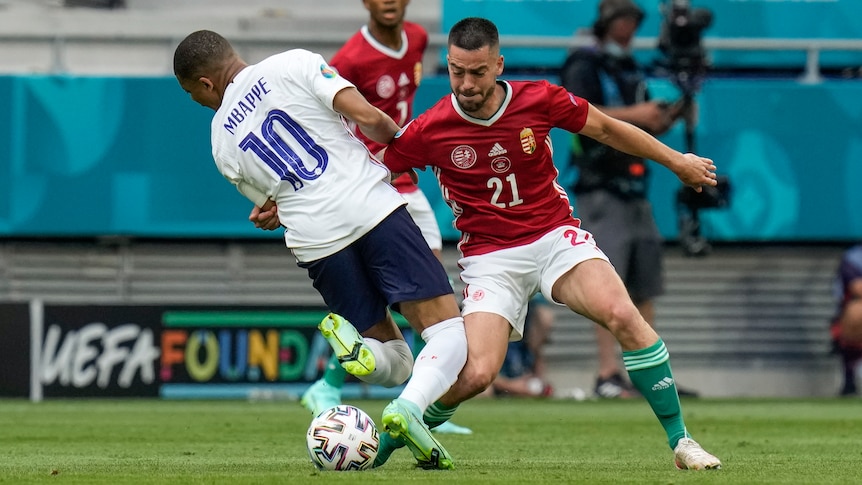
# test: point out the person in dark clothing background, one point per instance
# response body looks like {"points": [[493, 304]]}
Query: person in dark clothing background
{"points": [[611, 188], [846, 325]]}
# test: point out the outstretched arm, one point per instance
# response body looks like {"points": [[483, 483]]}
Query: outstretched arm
{"points": [[692, 170], [375, 124]]}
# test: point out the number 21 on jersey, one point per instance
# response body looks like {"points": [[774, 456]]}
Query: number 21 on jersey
{"points": [[509, 185]]}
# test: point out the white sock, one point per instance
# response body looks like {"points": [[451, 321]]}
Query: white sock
{"points": [[393, 362], [438, 365]]}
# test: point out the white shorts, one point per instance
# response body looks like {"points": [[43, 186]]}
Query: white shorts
{"points": [[422, 213], [503, 281]]}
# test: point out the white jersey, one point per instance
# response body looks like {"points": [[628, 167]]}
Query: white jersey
{"points": [[276, 135]]}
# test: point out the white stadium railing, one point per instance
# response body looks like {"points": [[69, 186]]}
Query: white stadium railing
{"points": [[58, 45]]}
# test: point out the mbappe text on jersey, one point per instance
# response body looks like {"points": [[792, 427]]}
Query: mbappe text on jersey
{"points": [[246, 105]]}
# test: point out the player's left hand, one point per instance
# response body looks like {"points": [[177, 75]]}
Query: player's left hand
{"points": [[414, 177], [265, 217], [696, 171]]}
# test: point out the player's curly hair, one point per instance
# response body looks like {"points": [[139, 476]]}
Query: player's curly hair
{"points": [[199, 52], [473, 33]]}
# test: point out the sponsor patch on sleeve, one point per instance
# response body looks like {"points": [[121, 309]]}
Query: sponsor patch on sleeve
{"points": [[327, 71]]}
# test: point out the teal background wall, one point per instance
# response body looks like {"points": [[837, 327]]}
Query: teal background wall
{"points": [[90, 156], [94, 156]]}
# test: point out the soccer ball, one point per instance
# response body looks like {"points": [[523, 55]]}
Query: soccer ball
{"points": [[342, 438]]}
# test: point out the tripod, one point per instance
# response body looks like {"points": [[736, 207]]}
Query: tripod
{"points": [[688, 211], [689, 203]]}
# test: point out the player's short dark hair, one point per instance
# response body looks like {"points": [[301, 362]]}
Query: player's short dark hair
{"points": [[198, 52], [473, 33]]}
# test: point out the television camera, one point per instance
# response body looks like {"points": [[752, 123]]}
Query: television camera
{"points": [[680, 41]]}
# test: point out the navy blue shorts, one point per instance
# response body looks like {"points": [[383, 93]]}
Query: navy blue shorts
{"points": [[389, 265]]}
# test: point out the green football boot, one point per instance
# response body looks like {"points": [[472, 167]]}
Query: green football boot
{"points": [[403, 421], [349, 347], [387, 445], [320, 396], [449, 427]]}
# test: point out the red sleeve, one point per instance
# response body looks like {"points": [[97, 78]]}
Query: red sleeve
{"points": [[400, 154], [566, 110], [419, 35], [342, 65]]}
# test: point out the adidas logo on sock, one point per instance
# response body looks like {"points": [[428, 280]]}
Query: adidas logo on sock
{"points": [[497, 150], [663, 384]]}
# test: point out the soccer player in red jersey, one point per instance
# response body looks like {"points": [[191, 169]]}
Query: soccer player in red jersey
{"points": [[488, 144]]}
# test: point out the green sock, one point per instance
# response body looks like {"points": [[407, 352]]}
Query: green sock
{"points": [[437, 414], [649, 370], [334, 374], [418, 343]]}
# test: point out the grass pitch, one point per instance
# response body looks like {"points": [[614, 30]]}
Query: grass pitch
{"points": [[515, 441]]}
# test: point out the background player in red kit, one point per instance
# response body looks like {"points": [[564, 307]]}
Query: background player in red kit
{"points": [[384, 61], [488, 144]]}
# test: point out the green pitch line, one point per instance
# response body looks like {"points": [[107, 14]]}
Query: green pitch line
{"points": [[244, 319]]}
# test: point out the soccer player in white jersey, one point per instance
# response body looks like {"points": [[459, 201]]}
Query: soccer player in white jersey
{"points": [[488, 144], [384, 61], [280, 136]]}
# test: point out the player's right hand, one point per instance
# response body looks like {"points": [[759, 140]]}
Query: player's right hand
{"points": [[265, 218], [696, 171]]}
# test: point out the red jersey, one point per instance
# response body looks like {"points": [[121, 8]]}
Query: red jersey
{"points": [[497, 175], [388, 79]]}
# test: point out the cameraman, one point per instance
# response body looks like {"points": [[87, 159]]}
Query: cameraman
{"points": [[611, 186]]}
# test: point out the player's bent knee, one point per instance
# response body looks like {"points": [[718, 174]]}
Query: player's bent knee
{"points": [[622, 316], [474, 380], [629, 327], [426, 313], [402, 356]]}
